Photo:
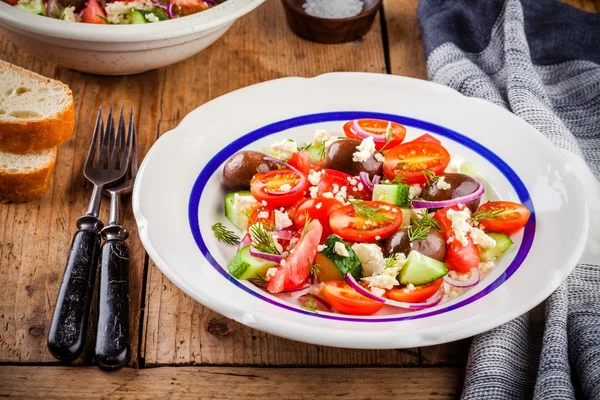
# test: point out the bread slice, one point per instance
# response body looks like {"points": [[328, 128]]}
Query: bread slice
{"points": [[36, 113], [25, 177]]}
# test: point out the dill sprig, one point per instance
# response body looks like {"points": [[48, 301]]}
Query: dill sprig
{"points": [[314, 270], [368, 212], [305, 227], [399, 179], [261, 239], [427, 221], [391, 261], [225, 235], [322, 152], [417, 233], [486, 215], [310, 304], [430, 176], [389, 135]]}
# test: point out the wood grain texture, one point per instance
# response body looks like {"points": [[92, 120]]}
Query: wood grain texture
{"points": [[35, 237], [231, 383], [260, 47]]}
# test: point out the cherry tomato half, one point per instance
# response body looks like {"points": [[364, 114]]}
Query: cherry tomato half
{"points": [[319, 209], [93, 13], [332, 178], [505, 216], [269, 186], [418, 295], [426, 137], [378, 128], [367, 221], [187, 7], [301, 161], [412, 158], [459, 258], [348, 301]]}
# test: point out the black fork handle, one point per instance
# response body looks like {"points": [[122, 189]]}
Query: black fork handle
{"points": [[113, 349], [66, 339]]}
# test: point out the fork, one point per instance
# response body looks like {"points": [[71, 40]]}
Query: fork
{"points": [[106, 164], [113, 348]]}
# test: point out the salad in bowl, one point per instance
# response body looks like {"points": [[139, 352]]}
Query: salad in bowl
{"points": [[363, 222], [116, 12]]}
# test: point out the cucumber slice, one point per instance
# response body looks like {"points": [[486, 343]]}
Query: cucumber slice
{"points": [[420, 269], [335, 266], [137, 17], [503, 243], [393, 194], [33, 6], [468, 168], [317, 153], [239, 216], [245, 266]]}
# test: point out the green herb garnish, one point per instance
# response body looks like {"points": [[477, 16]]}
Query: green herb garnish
{"points": [[261, 239], [306, 223], [486, 214], [430, 176], [310, 304], [417, 233], [314, 270], [399, 179], [391, 261], [427, 221], [368, 212], [225, 235], [389, 135]]}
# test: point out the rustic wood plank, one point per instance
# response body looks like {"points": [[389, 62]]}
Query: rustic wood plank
{"points": [[36, 237], [231, 383], [261, 47]]}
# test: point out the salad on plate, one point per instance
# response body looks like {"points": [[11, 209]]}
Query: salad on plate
{"points": [[368, 220], [115, 12]]}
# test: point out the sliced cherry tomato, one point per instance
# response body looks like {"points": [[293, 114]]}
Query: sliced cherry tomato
{"points": [[359, 226], [93, 13], [378, 128], [420, 294], [301, 161], [459, 258], [269, 186], [412, 158], [319, 209], [348, 301], [333, 179], [264, 215], [295, 269], [426, 138], [187, 7], [505, 216]]}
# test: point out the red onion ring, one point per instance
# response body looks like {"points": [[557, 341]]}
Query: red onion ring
{"points": [[366, 181], [170, 13], [246, 240], [356, 128], [318, 299], [167, 7], [376, 180], [472, 281], [447, 203], [284, 234], [430, 302], [299, 186], [276, 258]]}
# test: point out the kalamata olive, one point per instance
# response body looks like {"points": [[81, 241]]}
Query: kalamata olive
{"points": [[339, 157], [241, 167], [433, 245], [79, 4], [460, 185]]}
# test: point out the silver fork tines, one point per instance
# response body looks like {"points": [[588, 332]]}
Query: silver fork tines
{"points": [[108, 157]]}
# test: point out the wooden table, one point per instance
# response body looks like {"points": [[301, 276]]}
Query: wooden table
{"points": [[181, 349]]}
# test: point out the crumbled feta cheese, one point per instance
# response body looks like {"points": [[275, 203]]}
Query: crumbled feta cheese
{"points": [[330, 141], [318, 206], [450, 239], [371, 258], [335, 188], [454, 165], [377, 291], [150, 17], [383, 281], [414, 191], [360, 186], [364, 150], [264, 203], [328, 195], [342, 194], [486, 266], [282, 220], [377, 237], [286, 187], [321, 136], [481, 239], [340, 249], [278, 246], [284, 149], [379, 157], [441, 183], [263, 215], [460, 225], [242, 204], [315, 177], [119, 12], [68, 14], [321, 247], [314, 191], [270, 273]]}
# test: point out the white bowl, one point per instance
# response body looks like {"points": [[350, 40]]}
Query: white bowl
{"points": [[119, 49], [177, 198]]}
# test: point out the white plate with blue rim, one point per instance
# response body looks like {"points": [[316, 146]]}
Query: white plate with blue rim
{"points": [[178, 197]]}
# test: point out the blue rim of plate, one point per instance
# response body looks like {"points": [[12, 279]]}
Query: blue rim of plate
{"points": [[221, 157]]}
